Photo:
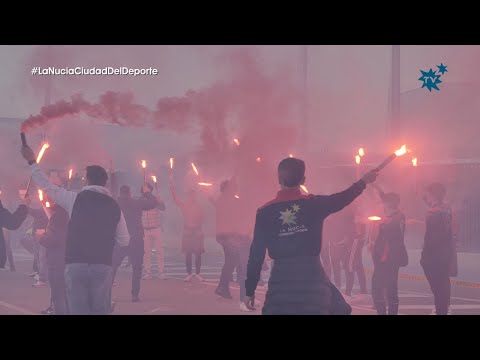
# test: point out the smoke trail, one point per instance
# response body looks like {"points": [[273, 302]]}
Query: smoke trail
{"points": [[116, 108]]}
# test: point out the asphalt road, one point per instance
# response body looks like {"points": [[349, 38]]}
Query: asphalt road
{"points": [[174, 296]]}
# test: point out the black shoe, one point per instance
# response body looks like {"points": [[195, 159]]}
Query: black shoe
{"points": [[223, 293], [47, 311], [135, 299]]}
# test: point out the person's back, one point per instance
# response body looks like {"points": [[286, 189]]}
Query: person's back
{"points": [[438, 235], [290, 229], [91, 232], [439, 254], [132, 210], [55, 239]]}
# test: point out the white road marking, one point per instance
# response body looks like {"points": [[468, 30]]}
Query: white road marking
{"points": [[16, 308]]}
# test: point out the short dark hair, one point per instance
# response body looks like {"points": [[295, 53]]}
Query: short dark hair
{"points": [[124, 189], [291, 171], [437, 191], [391, 199], [96, 175]]}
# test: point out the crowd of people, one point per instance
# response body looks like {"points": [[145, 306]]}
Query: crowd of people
{"points": [[80, 238]]}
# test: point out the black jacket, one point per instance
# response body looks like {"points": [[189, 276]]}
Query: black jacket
{"points": [[389, 246], [132, 210], [291, 226], [40, 219], [55, 237], [92, 228], [439, 246], [11, 222]]}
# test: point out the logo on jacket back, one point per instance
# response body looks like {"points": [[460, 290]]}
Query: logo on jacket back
{"points": [[289, 218]]}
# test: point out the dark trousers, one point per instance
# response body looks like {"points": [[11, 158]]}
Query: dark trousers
{"points": [[136, 252], [188, 263], [355, 266], [438, 276], [232, 259], [8, 247], [58, 290], [385, 279]]}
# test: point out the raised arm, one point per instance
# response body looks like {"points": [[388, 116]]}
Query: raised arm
{"points": [[379, 190], [333, 203], [148, 201], [58, 195], [122, 237], [174, 193]]}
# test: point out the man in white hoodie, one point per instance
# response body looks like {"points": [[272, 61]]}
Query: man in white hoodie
{"points": [[96, 223]]}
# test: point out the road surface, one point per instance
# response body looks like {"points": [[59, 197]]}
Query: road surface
{"points": [[174, 296]]}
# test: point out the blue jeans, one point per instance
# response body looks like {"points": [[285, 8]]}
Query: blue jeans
{"points": [[88, 288]]}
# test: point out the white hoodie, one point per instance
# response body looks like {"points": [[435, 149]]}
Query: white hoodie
{"points": [[66, 199]]}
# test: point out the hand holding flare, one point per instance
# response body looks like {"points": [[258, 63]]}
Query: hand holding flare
{"points": [[29, 155], [144, 166], [399, 152]]}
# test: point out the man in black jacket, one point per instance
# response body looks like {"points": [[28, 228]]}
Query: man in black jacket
{"points": [[439, 253], [290, 228], [11, 222], [133, 209]]}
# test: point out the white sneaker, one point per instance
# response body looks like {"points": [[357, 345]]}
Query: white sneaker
{"points": [[161, 276], [147, 277], [39, 284], [188, 278], [450, 312], [244, 308], [198, 277]]}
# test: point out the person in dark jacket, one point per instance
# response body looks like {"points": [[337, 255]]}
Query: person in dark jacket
{"points": [[133, 209], [54, 240], [290, 228], [438, 254], [389, 254], [10, 221]]}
